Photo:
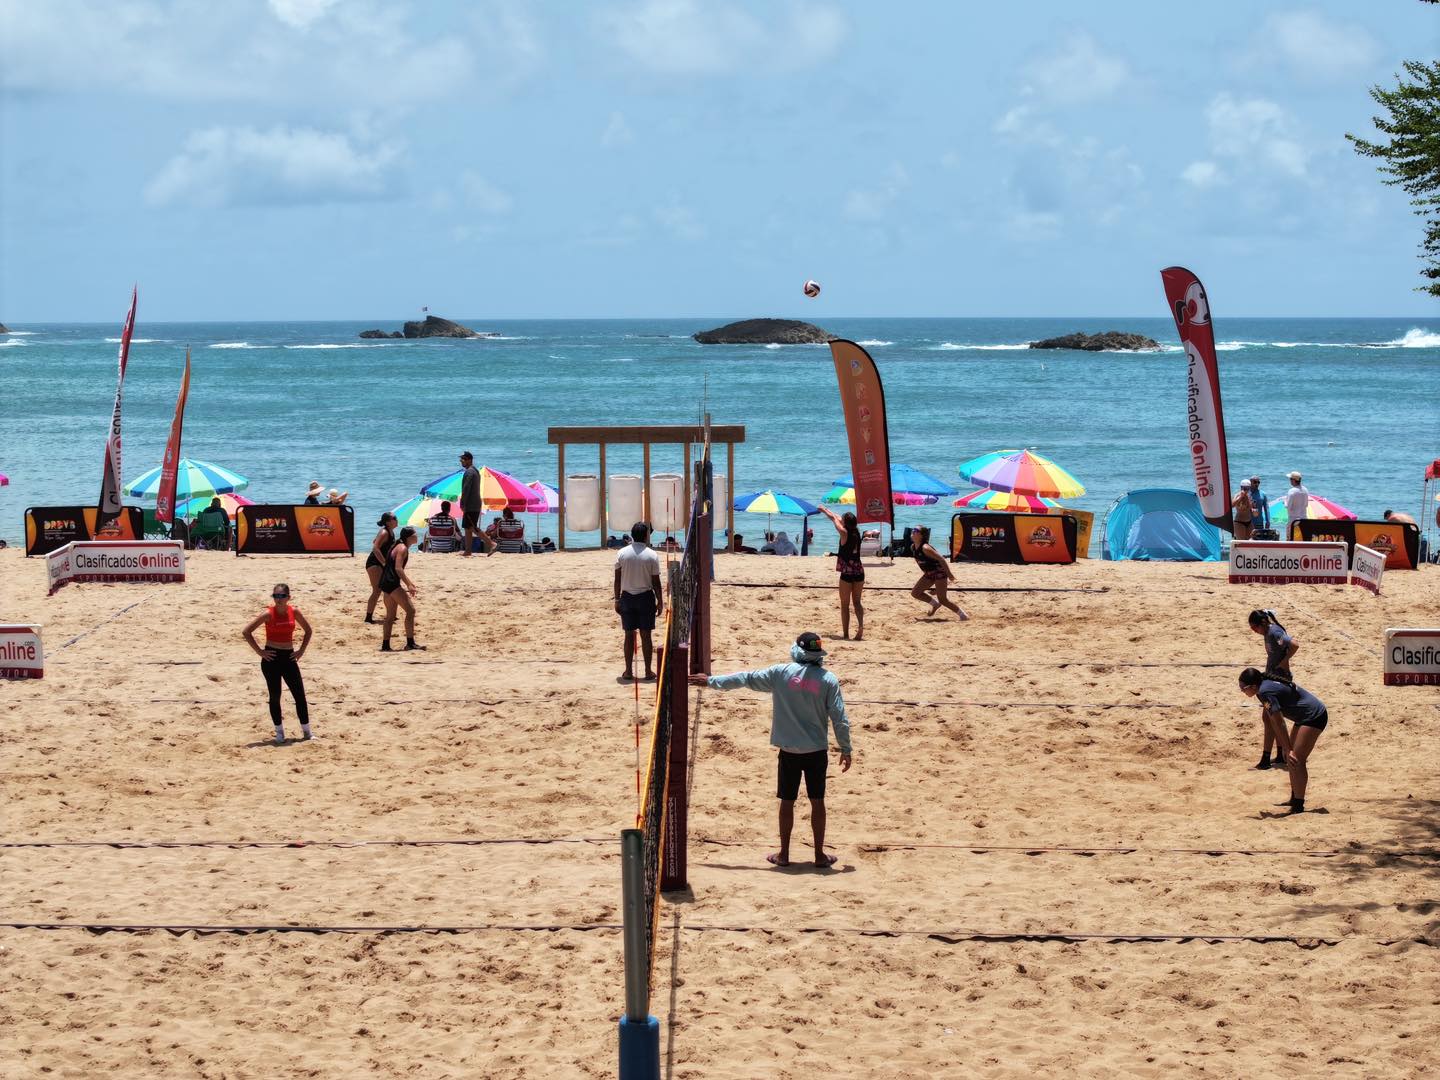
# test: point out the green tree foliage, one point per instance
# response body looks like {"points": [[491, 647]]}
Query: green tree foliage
{"points": [[1411, 156]]}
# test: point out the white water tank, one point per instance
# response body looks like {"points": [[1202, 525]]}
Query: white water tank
{"points": [[720, 513], [627, 502], [582, 503], [668, 512]]}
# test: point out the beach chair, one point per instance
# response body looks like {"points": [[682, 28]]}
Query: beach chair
{"points": [[210, 529], [152, 527], [869, 545]]}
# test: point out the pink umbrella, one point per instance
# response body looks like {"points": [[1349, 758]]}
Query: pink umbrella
{"points": [[4, 479]]}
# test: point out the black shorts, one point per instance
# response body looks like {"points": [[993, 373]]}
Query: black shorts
{"points": [[470, 519], [1318, 723], [637, 611], [790, 767]]}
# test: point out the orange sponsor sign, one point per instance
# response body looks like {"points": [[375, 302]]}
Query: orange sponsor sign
{"points": [[863, 400]]}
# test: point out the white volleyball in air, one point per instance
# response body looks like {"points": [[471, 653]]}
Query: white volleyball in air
{"points": [[812, 289]]}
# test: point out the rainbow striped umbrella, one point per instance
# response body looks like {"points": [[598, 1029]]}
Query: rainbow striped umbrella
{"points": [[1022, 472], [546, 499], [1317, 509], [911, 481], [498, 490], [1008, 501], [230, 503], [841, 493], [418, 511], [193, 479]]}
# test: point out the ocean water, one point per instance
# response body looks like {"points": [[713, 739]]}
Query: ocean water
{"points": [[1352, 403]]}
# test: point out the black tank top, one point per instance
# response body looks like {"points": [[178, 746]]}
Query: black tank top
{"points": [[387, 544], [926, 563], [850, 549]]}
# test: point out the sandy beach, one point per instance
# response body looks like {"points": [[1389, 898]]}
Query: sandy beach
{"points": [[1033, 792]]}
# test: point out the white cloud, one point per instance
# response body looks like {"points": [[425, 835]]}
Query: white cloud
{"points": [[282, 166], [873, 204], [1077, 72], [360, 53], [1313, 46], [1202, 174], [483, 195], [709, 37], [300, 13], [1256, 131], [617, 132], [679, 221]]}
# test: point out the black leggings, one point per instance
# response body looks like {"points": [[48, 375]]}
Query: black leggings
{"points": [[284, 667]]}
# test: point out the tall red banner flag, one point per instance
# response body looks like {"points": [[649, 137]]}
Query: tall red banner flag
{"points": [[1205, 419], [863, 399], [165, 500], [110, 478]]}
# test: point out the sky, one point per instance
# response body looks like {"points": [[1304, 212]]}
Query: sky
{"points": [[357, 159]]}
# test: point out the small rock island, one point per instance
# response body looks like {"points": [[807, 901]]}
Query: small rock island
{"points": [[1110, 340], [433, 326], [765, 332], [4, 329]]}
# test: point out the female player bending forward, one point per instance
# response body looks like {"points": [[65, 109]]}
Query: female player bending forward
{"points": [[1284, 700]]}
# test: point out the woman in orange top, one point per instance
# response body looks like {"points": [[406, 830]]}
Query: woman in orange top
{"points": [[279, 659]]}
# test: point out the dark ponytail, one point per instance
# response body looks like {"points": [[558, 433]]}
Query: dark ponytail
{"points": [[1265, 617]]}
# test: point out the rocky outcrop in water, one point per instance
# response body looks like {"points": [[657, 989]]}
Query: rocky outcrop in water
{"points": [[1109, 341], [433, 326], [765, 332], [4, 329]]}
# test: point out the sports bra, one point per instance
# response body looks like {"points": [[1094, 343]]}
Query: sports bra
{"points": [[280, 632]]}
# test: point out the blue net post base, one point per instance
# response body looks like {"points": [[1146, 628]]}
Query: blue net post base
{"points": [[639, 1049]]}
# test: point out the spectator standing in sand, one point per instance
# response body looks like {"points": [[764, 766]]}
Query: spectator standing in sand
{"points": [[443, 531], [1284, 700], [279, 659], [935, 575], [637, 597], [399, 590], [1297, 501], [851, 570], [312, 497], [1279, 648], [1259, 506], [1242, 509], [375, 562], [805, 701], [470, 506]]}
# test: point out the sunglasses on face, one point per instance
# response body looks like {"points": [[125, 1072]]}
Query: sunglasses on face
{"points": [[280, 596]]}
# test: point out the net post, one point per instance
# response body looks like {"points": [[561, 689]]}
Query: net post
{"points": [[674, 872], [704, 553], [639, 1031]]}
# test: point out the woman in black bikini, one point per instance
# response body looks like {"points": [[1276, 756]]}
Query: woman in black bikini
{"points": [[935, 575], [379, 549], [852, 571], [399, 589]]}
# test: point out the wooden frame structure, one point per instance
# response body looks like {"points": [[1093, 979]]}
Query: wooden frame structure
{"points": [[686, 435]]}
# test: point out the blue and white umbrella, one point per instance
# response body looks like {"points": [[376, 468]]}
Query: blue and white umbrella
{"points": [[193, 479]]}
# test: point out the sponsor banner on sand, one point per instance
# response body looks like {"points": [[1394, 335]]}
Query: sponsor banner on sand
{"points": [[862, 399], [50, 527], [21, 654], [1412, 657], [1013, 538], [116, 561], [1398, 541], [1366, 566], [1271, 562], [295, 530]]}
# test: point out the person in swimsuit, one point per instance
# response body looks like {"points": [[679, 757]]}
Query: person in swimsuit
{"points": [[1279, 648], [852, 572], [935, 575], [1284, 700], [399, 590], [375, 562], [279, 659]]}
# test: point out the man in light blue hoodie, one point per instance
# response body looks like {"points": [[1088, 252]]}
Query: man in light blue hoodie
{"points": [[806, 698]]}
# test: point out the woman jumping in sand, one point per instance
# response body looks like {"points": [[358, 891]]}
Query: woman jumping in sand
{"points": [[935, 575], [1279, 648], [399, 589], [379, 549], [1284, 700], [279, 659], [852, 571]]}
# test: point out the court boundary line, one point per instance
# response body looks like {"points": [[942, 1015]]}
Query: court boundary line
{"points": [[948, 936]]}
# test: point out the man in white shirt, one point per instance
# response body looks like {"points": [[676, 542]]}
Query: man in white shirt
{"points": [[1297, 501], [637, 597]]}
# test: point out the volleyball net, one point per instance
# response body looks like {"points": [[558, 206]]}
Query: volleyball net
{"points": [[653, 853]]}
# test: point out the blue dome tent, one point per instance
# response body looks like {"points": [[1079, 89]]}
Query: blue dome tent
{"points": [[1159, 525]]}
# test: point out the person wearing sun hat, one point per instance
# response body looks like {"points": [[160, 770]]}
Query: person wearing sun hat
{"points": [[1297, 499], [805, 701], [312, 497]]}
